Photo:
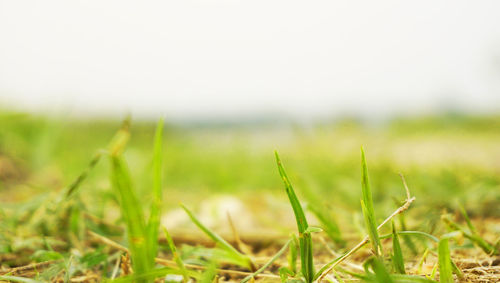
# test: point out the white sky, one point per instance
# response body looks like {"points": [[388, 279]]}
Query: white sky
{"points": [[214, 59]]}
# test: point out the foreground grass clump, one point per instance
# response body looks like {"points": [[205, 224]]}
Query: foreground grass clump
{"points": [[69, 236], [142, 234]]}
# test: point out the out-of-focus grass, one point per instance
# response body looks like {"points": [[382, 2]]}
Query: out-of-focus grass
{"points": [[458, 153], [447, 159]]}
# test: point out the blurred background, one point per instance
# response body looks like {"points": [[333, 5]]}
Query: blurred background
{"points": [[220, 60], [418, 84]]}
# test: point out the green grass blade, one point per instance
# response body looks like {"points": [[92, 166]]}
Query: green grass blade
{"points": [[176, 256], [131, 210], [372, 229], [367, 207], [305, 240], [219, 240], [155, 211], [267, 264], [476, 239], [412, 233], [381, 273], [467, 220], [325, 215], [120, 139], [328, 223], [210, 274], [397, 257], [73, 187], [445, 269]]}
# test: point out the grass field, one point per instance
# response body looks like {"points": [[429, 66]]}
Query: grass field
{"points": [[244, 216]]}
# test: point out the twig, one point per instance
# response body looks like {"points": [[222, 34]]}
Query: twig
{"points": [[18, 270], [171, 263], [405, 206]]}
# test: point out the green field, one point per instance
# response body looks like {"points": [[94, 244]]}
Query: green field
{"points": [[450, 162]]}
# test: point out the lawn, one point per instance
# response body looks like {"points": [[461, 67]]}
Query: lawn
{"points": [[411, 199]]}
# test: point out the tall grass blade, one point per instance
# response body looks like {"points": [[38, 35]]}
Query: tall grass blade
{"points": [[367, 207], [131, 210], [176, 256], [305, 241], [397, 257], [445, 269], [155, 211], [220, 241]]}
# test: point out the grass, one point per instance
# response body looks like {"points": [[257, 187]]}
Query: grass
{"points": [[52, 222], [232, 253], [445, 271], [367, 207], [305, 241], [142, 234]]}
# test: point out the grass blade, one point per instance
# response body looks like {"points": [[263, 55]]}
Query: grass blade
{"points": [[475, 238], [155, 212], [210, 274], [305, 241], [220, 241], [397, 257], [467, 220], [265, 266], [176, 256], [367, 207], [381, 274], [132, 213], [445, 269]]}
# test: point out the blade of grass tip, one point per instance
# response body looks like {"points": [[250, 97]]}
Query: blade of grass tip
{"points": [[116, 146], [265, 266], [367, 207], [445, 269], [305, 241], [120, 139], [176, 256], [155, 211], [73, 187], [467, 219], [397, 257], [219, 240], [132, 213]]}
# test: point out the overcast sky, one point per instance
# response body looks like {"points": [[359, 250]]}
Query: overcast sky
{"points": [[219, 59]]}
